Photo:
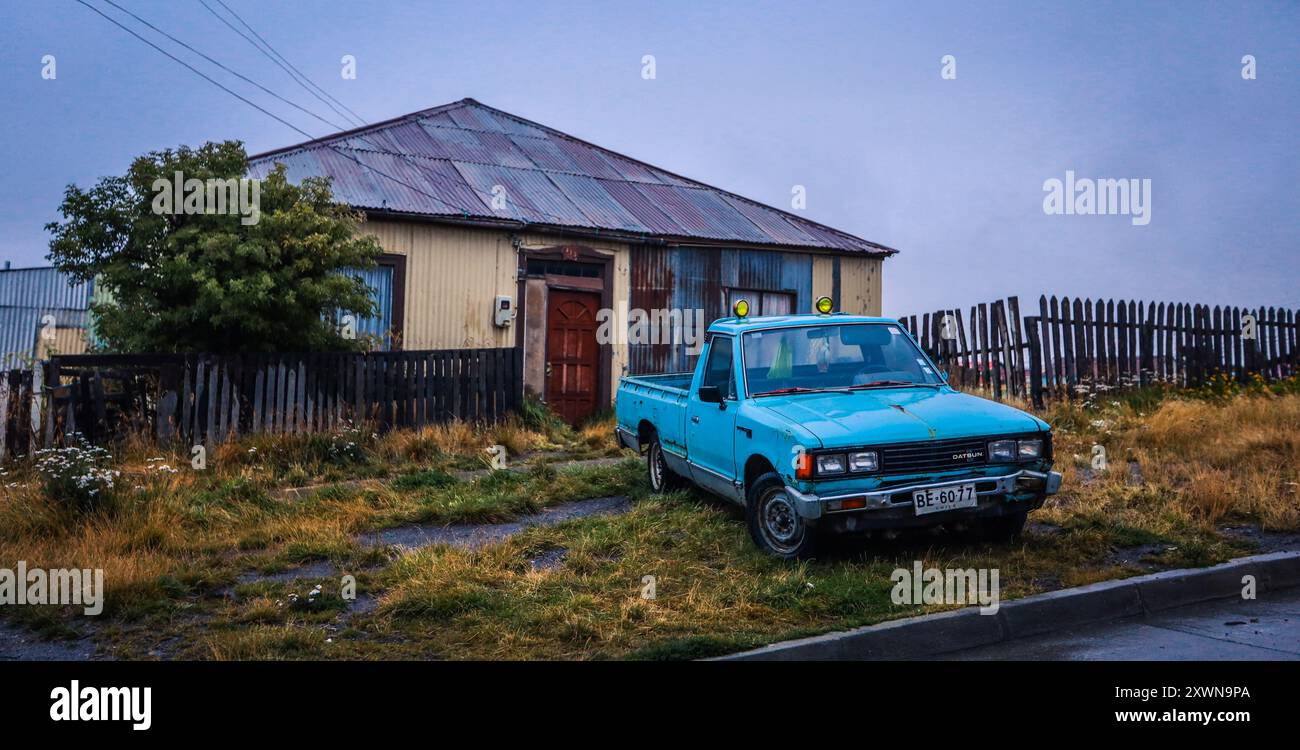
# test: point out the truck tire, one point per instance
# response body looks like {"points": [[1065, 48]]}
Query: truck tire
{"points": [[662, 478], [774, 523], [1003, 529]]}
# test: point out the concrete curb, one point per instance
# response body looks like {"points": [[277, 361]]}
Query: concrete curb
{"points": [[931, 635]]}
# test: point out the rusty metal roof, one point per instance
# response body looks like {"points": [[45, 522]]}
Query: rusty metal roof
{"points": [[468, 162]]}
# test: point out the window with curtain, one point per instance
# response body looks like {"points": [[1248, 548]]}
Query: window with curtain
{"points": [[762, 302]]}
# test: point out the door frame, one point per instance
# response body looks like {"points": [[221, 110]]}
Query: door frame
{"points": [[603, 284]]}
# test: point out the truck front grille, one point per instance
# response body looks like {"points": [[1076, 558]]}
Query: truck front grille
{"points": [[935, 455]]}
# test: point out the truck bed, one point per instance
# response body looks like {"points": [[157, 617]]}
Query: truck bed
{"points": [[657, 399], [672, 381]]}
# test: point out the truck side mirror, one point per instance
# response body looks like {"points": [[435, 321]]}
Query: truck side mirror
{"points": [[710, 394]]}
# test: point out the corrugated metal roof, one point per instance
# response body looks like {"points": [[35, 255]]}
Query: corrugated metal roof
{"points": [[44, 288], [445, 162]]}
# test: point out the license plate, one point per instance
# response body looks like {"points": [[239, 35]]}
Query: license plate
{"points": [[944, 498]]}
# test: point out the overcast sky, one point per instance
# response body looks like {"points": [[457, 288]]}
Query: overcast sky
{"points": [[846, 99]]}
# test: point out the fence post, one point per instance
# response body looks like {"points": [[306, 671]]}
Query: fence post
{"points": [[38, 385], [1147, 368], [1035, 362]]}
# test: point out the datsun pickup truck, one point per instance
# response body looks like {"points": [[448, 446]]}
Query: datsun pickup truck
{"points": [[835, 423]]}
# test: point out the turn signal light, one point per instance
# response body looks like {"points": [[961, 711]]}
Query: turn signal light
{"points": [[803, 467], [851, 503]]}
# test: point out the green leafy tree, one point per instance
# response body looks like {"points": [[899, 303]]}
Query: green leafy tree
{"points": [[179, 276]]}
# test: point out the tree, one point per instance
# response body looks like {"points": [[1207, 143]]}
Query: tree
{"points": [[188, 256]]}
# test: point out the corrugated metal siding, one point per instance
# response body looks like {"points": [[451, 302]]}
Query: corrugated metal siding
{"points": [[452, 277], [860, 285], [29, 294], [445, 161], [686, 279]]}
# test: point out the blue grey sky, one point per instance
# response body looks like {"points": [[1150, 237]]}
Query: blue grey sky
{"points": [[844, 98]]}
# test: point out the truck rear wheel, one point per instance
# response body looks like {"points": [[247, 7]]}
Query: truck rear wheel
{"points": [[662, 478], [774, 523]]}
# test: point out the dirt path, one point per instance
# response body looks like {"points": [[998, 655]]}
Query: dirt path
{"points": [[292, 493], [472, 536], [20, 644]]}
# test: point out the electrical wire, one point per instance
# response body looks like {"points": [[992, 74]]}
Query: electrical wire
{"points": [[237, 74], [270, 53], [268, 113]]}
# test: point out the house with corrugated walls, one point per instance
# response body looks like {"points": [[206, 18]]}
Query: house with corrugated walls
{"points": [[41, 313], [501, 232]]}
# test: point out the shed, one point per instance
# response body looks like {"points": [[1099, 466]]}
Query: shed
{"points": [[41, 312]]}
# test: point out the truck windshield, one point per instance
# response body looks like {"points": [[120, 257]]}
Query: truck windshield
{"points": [[849, 355]]}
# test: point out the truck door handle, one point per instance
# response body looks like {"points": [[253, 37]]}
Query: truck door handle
{"points": [[748, 432], [695, 420]]}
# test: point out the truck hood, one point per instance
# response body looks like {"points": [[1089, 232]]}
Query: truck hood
{"points": [[898, 415]]}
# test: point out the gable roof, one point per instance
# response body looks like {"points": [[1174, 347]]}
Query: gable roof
{"points": [[469, 162]]}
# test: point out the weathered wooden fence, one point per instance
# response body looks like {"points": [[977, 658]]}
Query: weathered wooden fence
{"points": [[16, 433], [1079, 345], [209, 398]]}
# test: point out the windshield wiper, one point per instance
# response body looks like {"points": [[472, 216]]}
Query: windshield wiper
{"points": [[890, 383], [799, 389]]}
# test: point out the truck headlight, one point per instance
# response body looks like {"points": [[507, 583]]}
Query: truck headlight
{"points": [[1002, 450], [830, 464], [863, 461], [1030, 449]]}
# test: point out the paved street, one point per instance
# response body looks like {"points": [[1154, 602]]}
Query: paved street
{"points": [[1267, 628]]}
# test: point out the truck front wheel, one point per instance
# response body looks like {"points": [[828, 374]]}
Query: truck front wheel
{"points": [[774, 523], [662, 478]]}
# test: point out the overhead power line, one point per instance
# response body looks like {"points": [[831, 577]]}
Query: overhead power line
{"points": [[406, 158], [235, 73], [300, 77], [271, 54], [263, 110]]}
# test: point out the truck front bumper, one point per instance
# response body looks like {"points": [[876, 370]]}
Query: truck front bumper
{"points": [[895, 503]]}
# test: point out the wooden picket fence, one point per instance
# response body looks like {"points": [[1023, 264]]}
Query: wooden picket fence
{"points": [[208, 399], [1074, 346]]}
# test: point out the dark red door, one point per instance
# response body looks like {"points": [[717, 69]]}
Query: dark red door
{"points": [[572, 354]]}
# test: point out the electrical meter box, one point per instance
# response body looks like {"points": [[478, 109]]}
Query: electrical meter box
{"points": [[503, 311]]}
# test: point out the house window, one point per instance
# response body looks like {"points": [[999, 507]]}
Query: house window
{"points": [[544, 267], [762, 302], [387, 284]]}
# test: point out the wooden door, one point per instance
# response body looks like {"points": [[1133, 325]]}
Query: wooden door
{"points": [[572, 354]]}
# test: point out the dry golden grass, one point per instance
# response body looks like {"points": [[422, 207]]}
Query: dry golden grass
{"points": [[169, 547], [1216, 462]]}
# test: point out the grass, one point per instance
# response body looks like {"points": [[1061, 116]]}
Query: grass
{"points": [[1180, 470]]}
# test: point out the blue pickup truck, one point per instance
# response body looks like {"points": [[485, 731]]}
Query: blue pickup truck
{"points": [[834, 423]]}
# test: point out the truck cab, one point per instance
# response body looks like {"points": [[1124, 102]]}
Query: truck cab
{"points": [[833, 423]]}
